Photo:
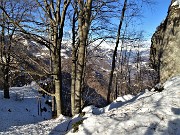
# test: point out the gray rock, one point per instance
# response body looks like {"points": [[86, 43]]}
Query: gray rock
{"points": [[165, 47]]}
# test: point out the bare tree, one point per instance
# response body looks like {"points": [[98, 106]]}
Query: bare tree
{"points": [[96, 16], [8, 32], [115, 51], [84, 16], [74, 56], [56, 17]]}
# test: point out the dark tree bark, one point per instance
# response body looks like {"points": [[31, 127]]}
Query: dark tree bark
{"points": [[115, 53], [6, 59], [74, 57]]}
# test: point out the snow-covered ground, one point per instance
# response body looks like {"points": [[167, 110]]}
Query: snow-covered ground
{"points": [[19, 114], [176, 3], [147, 113]]}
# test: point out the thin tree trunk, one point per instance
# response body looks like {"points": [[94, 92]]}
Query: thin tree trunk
{"points": [[83, 78], [74, 61], [73, 80], [6, 82], [115, 52], [80, 68], [5, 59], [52, 88], [116, 87]]}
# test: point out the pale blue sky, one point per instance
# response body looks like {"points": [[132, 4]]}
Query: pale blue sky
{"points": [[154, 15]]}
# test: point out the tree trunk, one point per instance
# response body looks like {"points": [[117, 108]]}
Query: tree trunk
{"points": [[73, 80], [116, 87], [58, 96], [53, 109], [115, 53], [83, 26], [58, 89], [6, 82], [56, 64], [74, 60], [80, 69], [5, 55]]}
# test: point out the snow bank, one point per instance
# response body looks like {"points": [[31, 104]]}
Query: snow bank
{"points": [[120, 101], [176, 3], [147, 113]]}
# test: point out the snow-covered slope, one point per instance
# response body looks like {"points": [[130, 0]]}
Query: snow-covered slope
{"points": [[176, 3], [145, 114], [21, 109], [19, 114]]}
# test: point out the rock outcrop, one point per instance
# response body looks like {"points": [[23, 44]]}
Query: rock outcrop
{"points": [[165, 47]]}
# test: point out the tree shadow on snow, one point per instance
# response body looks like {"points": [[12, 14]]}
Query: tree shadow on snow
{"points": [[116, 104], [173, 127], [176, 110], [65, 126]]}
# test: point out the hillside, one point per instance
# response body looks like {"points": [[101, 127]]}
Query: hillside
{"points": [[149, 112], [36, 62]]}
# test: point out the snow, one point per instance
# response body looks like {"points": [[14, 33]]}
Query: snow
{"points": [[63, 53], [19, 114], [147, 113], [105, 45], [176, 3]]}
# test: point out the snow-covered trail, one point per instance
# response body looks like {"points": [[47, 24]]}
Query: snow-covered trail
{"points": [[46, 127], [150, 113], [19, 114]]}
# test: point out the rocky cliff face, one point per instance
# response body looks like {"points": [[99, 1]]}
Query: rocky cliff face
{"points": [[165, 47]]}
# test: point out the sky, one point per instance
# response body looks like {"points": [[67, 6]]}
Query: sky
{"points": [[154, 15]]}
